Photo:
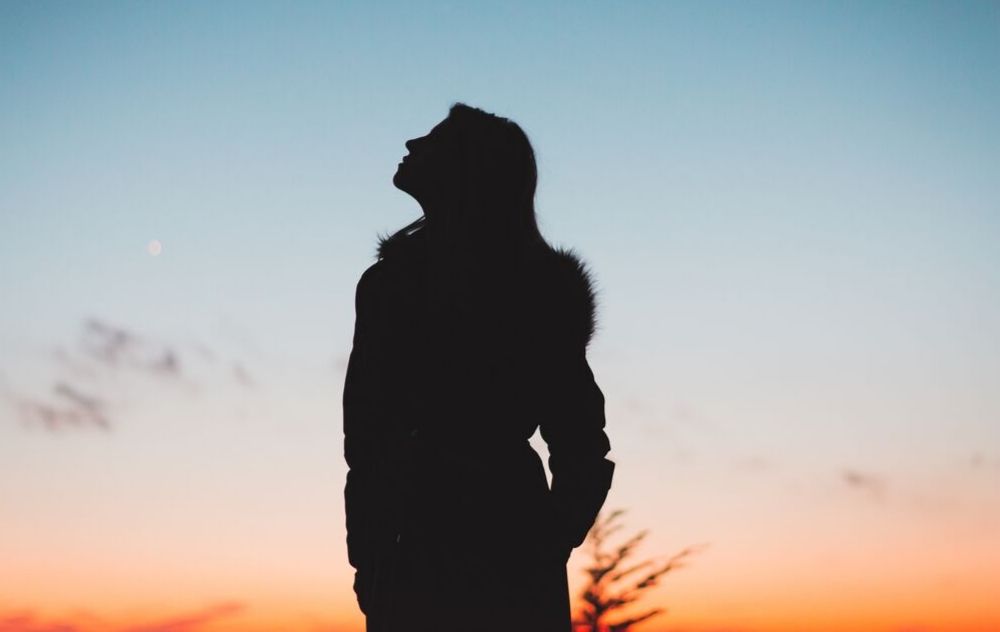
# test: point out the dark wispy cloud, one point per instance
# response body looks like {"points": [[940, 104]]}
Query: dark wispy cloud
{"points": [[115, 346], [166, 363], [86, 375], [80, 400], [68, 407], [865, 482], [105, 342]]}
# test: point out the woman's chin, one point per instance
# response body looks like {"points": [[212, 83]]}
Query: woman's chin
{"points": [[402, 182]]}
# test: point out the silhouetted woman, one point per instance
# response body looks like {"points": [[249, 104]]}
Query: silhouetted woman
{"points": [[470, 333]]}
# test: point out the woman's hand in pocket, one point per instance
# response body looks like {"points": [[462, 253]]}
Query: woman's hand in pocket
{"points": [[557, 547], [359, 591], [363, 589]]}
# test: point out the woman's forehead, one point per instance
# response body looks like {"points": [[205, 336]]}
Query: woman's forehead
{"points": [[441, 128]]}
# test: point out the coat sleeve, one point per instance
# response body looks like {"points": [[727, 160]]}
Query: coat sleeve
{"points": [[572, 425], [359, 416]]}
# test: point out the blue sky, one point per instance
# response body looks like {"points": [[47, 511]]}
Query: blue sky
{"points": [[792, 209]]}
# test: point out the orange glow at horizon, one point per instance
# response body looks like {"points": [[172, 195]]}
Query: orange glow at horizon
{"points": [[790, 211]]}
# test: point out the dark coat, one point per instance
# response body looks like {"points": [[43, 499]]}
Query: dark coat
{"points": [[451, 524]]}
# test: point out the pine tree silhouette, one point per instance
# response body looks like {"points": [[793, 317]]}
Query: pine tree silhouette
{"points": [[612, 585]]}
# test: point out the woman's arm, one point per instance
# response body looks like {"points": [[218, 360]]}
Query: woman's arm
{"points": [[359, 403], [572, 424]]}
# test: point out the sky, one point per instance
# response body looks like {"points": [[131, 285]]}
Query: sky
{"points": [[791, 211]]}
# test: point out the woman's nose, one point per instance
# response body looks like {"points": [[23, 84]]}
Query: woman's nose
{"points": [[410, 144]]}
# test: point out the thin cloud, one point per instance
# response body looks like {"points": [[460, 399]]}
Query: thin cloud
{"points": [[102, 355], [752, 463], [106, 343], [864, 482], [979, 462], [80, 400], [242, 376], [69, 408], [193, 621], [168, 363], [204, 351], [118, 347], [29, 621]]}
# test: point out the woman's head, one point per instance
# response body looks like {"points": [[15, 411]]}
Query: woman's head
{"points": [[430, 169], [474, 175]]}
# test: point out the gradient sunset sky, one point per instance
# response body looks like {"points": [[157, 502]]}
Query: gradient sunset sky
{"points": [[791, 210]]}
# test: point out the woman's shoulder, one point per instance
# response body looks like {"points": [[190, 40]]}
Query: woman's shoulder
{"points": [[375, 281], [562, 286]]}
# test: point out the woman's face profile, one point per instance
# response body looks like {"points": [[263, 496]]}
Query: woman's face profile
{"points": [[428, 171]]}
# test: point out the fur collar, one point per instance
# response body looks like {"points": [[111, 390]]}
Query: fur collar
{"points": [[574, 296], [559, 285]]}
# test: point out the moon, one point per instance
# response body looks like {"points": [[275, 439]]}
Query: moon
{"points": [[154, 247]]}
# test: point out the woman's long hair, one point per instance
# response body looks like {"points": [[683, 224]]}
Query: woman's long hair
{"points": [[497, 179]]}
